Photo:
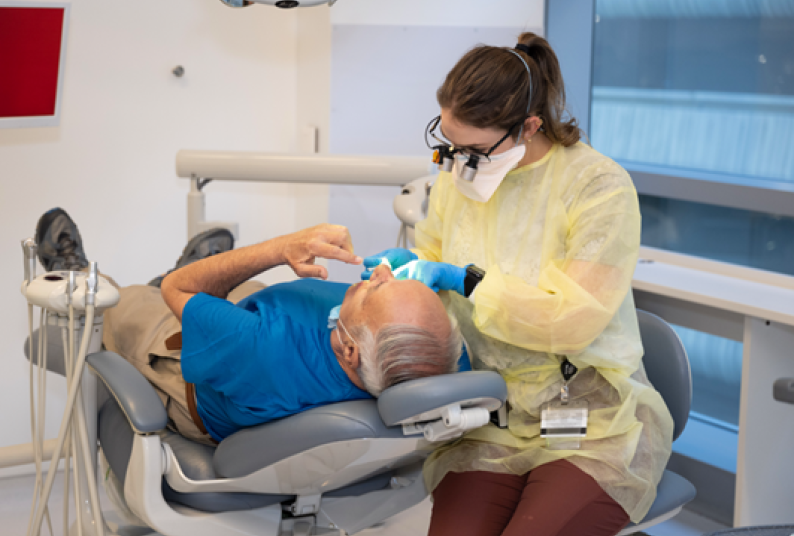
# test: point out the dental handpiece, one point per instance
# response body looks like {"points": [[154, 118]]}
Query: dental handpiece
{"points": [[29, 249], [91, 283], [70, 288]]}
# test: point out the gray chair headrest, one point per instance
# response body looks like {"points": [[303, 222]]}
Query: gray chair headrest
{"points": [[423, 399]]}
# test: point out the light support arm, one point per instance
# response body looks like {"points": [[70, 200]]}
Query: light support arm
{"points": [[298, 168], [202, 166]]}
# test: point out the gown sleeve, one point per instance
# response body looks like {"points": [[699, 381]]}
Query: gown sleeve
{"points": [[579, 290]]}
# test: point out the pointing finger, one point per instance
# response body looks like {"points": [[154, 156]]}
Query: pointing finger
{"points": [[341, 238]]}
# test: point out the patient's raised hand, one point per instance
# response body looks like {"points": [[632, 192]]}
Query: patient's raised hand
{"points": [[299, 250]]}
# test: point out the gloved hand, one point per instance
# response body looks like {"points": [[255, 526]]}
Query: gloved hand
{"points": [[396, 256], [436, 275]]}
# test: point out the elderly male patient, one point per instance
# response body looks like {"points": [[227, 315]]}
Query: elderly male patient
{"points": [[225, 353]]}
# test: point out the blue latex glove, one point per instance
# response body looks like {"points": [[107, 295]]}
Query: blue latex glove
{"points": [[396, 256], [436, 275]]}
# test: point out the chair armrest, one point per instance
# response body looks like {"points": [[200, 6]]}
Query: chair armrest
{"points": [[135, 395], [424, 399]]}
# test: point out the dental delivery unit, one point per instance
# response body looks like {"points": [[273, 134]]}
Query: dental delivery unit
{"points": [[73, 302]]}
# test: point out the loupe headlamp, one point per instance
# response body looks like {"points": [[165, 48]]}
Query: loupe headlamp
{"points": [[444, 156], [444, 153], [469, 170]]}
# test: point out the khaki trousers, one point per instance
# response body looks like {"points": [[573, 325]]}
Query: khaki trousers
{"points": [[137, 329]]}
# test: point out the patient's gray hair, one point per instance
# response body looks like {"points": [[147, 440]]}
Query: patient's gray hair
{"points": [[402, 352]]}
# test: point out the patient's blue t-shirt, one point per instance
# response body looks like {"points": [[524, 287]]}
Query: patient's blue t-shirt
{"points": [[265, 358]]}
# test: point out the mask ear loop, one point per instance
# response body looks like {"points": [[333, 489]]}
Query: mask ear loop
{"points": [[346, 332], [529, 75]]}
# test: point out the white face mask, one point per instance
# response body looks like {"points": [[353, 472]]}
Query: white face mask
{"points": [[489, 174]]}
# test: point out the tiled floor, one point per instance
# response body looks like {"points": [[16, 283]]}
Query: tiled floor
{"points": [[16, 494]]}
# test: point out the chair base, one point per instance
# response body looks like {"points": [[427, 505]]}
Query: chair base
{"points": [[297, 526], [291, 527], [143, 494], [337, 515]]}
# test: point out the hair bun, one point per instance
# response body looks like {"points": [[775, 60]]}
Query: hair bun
{"points": [[533, 45], [523, 48]]}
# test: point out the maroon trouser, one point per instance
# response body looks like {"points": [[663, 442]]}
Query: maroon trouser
{"points": [[556, 499]]}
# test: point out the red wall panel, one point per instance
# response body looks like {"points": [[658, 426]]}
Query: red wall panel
{"points": [[30, 52]]}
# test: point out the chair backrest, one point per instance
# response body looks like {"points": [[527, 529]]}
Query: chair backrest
{"points": [[667, 367]]}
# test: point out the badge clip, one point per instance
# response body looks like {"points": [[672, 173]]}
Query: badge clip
{"points": [[563, 423]]}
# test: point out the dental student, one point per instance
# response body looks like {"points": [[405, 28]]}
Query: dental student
{"points": [[535, 237]]}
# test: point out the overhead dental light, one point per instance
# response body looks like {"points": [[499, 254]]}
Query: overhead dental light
{"points": [[284, 4]]}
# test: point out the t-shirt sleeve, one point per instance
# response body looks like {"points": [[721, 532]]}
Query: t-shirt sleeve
{"points": [[218, 339]]}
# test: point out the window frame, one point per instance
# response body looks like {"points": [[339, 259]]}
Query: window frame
{"points": [[570, 29]]}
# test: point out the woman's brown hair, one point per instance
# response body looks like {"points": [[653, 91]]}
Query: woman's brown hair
{"points": [[489, 88]]}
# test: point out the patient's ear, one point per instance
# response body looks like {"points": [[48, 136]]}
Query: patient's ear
{"points": [[352, 356]]}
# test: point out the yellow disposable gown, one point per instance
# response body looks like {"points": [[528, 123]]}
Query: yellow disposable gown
{"points": [[559, 241]]}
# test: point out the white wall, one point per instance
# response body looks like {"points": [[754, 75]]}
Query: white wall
{"points": [[110, 163], [462, 13], [313, 105]]}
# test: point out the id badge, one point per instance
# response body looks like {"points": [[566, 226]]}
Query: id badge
{"points": [[563, 425]]}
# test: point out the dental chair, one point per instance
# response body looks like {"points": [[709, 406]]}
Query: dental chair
{"points": [[331, 470], [335, 469]]}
